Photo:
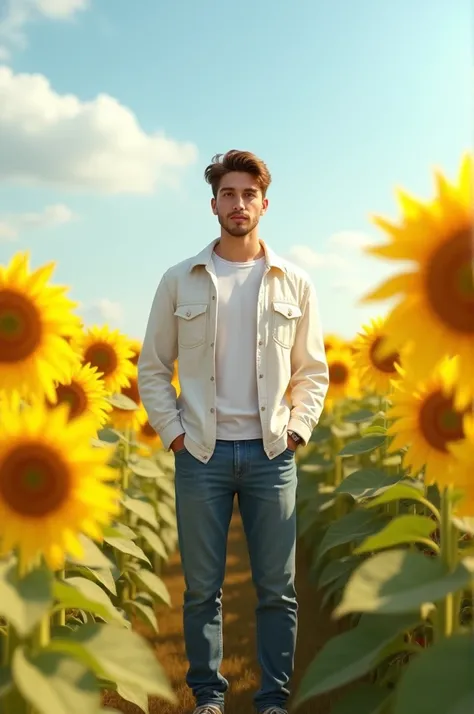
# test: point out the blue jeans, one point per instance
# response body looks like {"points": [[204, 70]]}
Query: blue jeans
{"points": [[266, 491]]}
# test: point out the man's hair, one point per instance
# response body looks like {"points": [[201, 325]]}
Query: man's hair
{"points": [[235, 160]]}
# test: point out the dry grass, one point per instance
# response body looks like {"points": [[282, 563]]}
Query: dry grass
{"points": [[240, 666]]}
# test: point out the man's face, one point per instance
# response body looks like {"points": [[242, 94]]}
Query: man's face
{"points": [[239, 204]]}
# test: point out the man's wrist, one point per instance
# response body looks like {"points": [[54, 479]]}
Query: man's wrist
{"points": [[295, 437]]}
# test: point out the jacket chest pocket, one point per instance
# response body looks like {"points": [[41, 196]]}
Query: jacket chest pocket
{"points": [[284, 320], [192, 324]]}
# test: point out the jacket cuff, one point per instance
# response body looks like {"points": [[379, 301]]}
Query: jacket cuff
{"points": [[304, 431], [171, 432]]}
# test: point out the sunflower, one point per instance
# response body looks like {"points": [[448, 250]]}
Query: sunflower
{"points": [[53, 484], [136, 347], [437, 296], [332, 341], [375, 372], [109, 351], [427, 421], [84, 392], [35, 321], [124, 419], [343, 382], [147, 435], [460, 474]]}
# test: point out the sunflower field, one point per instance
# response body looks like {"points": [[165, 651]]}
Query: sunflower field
{"points": [[386, 487], [385, 497], [87, 513]]}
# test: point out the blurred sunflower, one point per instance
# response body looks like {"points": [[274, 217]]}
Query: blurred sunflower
{"points": [[460, 475], [136, 347], [147, 435], [84, 393], [35, 321], [437, 297], [375, 372], [427, 421], [332, 341], [343, 382], [124, 419], [109, 351], [53, 484]]}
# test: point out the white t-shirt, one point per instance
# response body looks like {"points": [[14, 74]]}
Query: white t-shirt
{"points": [[236, 376]]}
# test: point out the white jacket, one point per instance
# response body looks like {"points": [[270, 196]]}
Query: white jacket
{"points": [[292, 371]]}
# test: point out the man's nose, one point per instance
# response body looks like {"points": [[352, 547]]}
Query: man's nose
{"points": [[238, 203]]}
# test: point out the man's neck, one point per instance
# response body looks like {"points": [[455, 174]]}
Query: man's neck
{"points": [[239, 250]]}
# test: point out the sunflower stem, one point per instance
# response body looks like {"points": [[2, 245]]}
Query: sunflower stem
{"points": [[448, 538], [59, 617]]}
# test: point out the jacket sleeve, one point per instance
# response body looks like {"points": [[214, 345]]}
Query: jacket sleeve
{"points": [[310, 374], [155, 366]]}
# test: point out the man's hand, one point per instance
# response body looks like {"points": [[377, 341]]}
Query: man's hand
{"points": [[291, 444], [177, 444]]}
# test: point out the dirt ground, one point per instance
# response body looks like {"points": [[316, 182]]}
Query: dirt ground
{"points": [[240, 666]]}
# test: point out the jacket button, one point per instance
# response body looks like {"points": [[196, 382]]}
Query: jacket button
{"points": [[212, 410], [188, 314], [212, 379], [262, 409], [290, 312], [260, 376]]}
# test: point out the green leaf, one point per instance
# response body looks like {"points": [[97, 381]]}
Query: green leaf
{"points": [[119, 530], [351, 654], [374, 429], [93, 556], [410, 491], [335, 568], [165, 514], [144, 510], [120, 401], [146, 468], [154, 541], [399, 581], [365, 699], [153, 584], [359, 416], [351, 528], [403, 529], [321, 434], [135, 695], [166, 486], [103, 577], [127, 546], [83, 594], [366, 483], [145, 612], [24, 601], [108, 436], [363, 446], [440, 680], [55, 684], [124, 657]]}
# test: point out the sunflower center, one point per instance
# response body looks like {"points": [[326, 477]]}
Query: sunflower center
{"points": [[34, 481], [147, 430], [387, 364], [20, 327], [74, 396], [439, 422], [338, 373], [132, 391], [450, 283], [102, 356]]}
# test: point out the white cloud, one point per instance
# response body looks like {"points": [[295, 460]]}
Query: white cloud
{"points": [[349, 239], [58, 139], [310, 259], [13, 224], [103, 310], [19, 13]]}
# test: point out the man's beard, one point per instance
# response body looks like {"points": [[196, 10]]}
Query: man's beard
{"points": [[237, 230]]}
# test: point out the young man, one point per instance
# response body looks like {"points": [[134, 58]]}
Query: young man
{"points": [[244, 326]]}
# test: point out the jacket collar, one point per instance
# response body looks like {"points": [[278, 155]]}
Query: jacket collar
{"points": [[205, 256]]}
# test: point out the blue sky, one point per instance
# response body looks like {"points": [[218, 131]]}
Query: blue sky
{"points": [[343, 100]]}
